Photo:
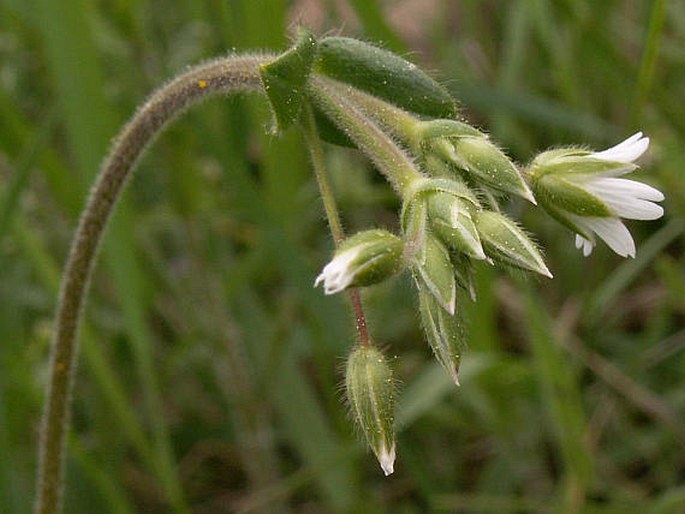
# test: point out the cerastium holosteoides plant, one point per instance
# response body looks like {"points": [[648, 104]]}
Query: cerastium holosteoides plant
{"points": [[452, 181]]}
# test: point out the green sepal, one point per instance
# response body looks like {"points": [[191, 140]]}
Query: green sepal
{"points": [[437, 274], [444, 332], [505, 242], [379, 257], [488, 165], [432, 129], [442, 185], [558, 192], [464, 273], [572, 162], [284, 79], [383, 74], [450, 219], [563, 218], [414, 222]]}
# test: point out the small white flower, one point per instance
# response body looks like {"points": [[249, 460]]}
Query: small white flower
{"points": [[366, 258], [588, 196], [340, 272]]}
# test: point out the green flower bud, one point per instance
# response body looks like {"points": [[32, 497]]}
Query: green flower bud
{"points": [[487, 164], [366, 258], [449, 206], [505, 242], [450, 219], [444, 332], [370, 391], [469, 149]]}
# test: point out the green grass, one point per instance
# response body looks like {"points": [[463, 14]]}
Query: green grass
{"points": [[210, 368]]}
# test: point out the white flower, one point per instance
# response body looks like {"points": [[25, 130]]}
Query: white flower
{"points": [[339, 273], [583, 190], [366, 258]]}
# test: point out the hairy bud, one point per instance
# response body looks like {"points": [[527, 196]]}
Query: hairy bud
{"points": [[366, 258], [444, 332], [370, 391], [505, 242]]}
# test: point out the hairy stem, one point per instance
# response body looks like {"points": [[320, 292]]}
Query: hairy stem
{"points": [[227, 74], [332, 214], [395, 120], [391, 160]]}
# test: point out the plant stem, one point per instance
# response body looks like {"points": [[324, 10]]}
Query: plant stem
{"points": [[391, 160], [332, 213], [395, 120], [222, 75]]}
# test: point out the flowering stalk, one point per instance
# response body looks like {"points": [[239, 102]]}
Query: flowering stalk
{"points": [[450, 178], [227, 74]]}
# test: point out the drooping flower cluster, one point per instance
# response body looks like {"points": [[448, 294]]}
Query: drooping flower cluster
{"points": [[446, 225], [451, 179]]}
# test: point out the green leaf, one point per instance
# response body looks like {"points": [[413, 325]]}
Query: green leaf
{"points": [[383, 74], [284, 79]]}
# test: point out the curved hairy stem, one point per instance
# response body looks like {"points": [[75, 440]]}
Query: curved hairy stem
{"points": [[233, 73]]}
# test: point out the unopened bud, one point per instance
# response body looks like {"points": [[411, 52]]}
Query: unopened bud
{"points": [[487, 164], [448, 206], [444, 332], [505, 242], [366, 258], [467, 148], [370, 391], [450, 217]]}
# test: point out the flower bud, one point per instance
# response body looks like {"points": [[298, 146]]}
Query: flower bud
{"points": [[450, 219], [366, 258], [471, 150], [449, 205], [505, 242], [444, 332], [487, 164], [370, 391]]}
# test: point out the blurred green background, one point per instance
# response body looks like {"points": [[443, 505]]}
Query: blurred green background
{"points": [[209, 379]]}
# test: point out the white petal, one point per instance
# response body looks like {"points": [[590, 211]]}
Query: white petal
{"points": [[585, 244], [627, 198], [608, 185], [579, 241], [626, 151], [337, 274], [636, 209], [614, 233], [386, 458]]}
